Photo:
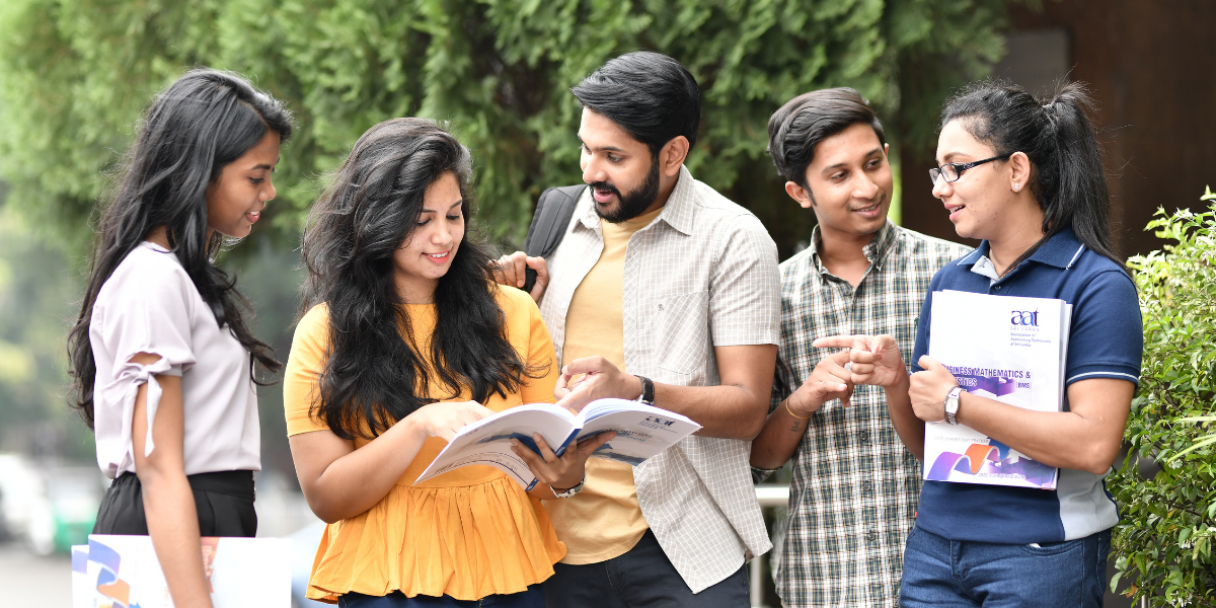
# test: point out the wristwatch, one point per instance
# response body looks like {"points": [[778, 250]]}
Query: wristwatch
{"points": [[571, 491], [951, 405], [647, 395]]}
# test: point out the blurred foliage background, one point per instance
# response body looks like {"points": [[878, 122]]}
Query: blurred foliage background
{"points": [[76, 75], [36, 294]]}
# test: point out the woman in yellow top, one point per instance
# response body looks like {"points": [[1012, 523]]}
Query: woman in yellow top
{"points": [[405, 340]]}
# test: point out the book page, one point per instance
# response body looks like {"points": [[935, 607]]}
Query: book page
{"points": [[641, 430], [488, 441]]}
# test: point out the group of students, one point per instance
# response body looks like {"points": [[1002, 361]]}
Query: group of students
{"points": [[661, 290]]}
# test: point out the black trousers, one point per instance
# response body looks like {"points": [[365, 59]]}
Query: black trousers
{"points": [[641, 578], [224, 501]]}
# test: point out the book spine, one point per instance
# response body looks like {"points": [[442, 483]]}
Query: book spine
{"points": [[565, 444]]}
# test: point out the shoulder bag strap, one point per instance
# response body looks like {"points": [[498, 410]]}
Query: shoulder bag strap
{"points": [[553, 213]]}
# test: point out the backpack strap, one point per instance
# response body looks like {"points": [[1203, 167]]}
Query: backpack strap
{"points": [[553, 213]]}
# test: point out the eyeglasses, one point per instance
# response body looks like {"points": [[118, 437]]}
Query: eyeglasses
{"points": [[951, 172]]}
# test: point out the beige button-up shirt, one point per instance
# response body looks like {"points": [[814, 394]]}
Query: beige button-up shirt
{"points": [[703, 274]]}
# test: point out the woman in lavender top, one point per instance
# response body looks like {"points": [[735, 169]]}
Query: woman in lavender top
{"points": [[163, 360]]}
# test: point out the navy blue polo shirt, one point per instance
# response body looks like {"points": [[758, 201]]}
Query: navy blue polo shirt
{"points": [[1106, 340]]}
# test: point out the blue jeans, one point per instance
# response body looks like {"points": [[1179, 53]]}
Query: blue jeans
{"points": [[943, 573], [532, 598]]}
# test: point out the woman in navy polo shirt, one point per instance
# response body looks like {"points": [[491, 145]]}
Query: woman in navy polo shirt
{"points": [[1025, 175]]}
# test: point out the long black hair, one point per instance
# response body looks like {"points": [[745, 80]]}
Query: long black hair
{"points": [[374, 375], [1067, 177], [204, 121]]}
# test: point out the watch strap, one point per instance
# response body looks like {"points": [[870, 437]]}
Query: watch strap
{"points": [[950, 406], [647, 395], [570, 492]]}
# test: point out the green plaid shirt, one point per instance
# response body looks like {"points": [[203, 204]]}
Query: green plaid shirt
{"points": [[855, 488]]}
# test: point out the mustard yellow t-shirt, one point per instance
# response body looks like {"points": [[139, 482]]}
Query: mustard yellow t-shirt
{"points": [[469, 533], [604, 520]]}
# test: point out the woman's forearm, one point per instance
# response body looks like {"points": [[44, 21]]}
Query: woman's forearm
{"points": [[1087, 438], [356, 481], [173, 525], [169, 508], [341, 482]]}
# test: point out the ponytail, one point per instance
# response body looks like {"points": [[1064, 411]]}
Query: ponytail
{"points": [[1080, 198], [1068, 179]]}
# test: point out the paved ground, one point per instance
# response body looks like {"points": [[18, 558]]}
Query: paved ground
{"points": [[27, 580]]}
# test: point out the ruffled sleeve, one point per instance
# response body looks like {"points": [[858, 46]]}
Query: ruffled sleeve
{"points": [[145, 307]]}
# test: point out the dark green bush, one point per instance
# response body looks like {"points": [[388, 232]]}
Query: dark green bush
{"points": [[1163, 546]]}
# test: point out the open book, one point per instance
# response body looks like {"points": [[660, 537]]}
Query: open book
{"points": [[641, 432], [1006, 348]]}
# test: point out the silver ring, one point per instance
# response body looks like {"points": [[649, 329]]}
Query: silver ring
{"points": [[848, 367]]}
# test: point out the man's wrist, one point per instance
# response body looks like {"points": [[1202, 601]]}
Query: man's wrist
{"points": [[790, 405], [635, 387], [795, 404], [645, 392]]}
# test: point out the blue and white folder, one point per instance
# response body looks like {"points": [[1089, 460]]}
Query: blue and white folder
{"points": [[1005, 348]]}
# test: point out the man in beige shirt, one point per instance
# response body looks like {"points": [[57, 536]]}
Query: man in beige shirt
{"points": [[665, 291]]}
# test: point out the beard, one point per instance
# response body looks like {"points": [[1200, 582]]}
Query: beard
{"points": [[635, 202]]}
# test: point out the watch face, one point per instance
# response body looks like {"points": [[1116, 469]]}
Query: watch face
{"points": [[951, 405]]}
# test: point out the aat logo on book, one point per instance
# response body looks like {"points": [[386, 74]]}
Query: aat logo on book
{"points": [[1024, 318]]}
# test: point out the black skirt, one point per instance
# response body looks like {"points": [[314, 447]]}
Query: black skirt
{"points": [[224, 501]]}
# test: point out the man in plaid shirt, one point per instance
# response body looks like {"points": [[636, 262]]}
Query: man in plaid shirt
{"points": [[854, 489]]}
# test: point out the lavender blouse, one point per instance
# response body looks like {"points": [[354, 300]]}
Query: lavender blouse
{"points": [[150, 305]]}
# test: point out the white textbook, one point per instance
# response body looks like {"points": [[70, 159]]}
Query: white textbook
{"points": [[119, 571], [1010, 349], [641, 432]]}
